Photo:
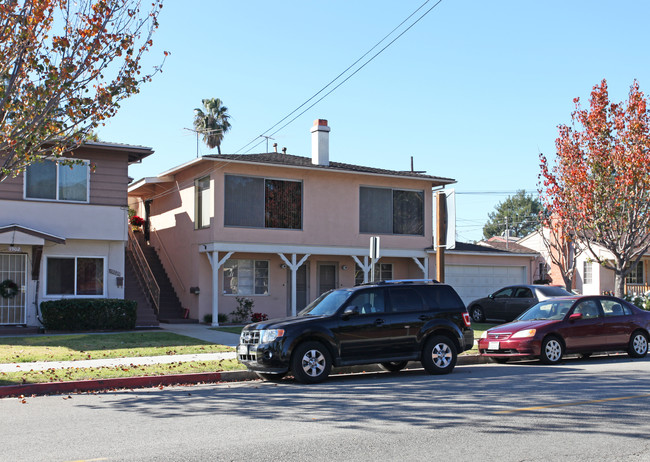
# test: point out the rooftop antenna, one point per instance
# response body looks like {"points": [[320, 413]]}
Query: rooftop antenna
{"points": [[203, 132], [267, 141]]}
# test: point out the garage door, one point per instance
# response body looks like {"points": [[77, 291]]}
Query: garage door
{"points": [[472, 282]]}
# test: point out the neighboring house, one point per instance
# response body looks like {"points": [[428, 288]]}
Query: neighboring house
{"points": [[63, 229], [592, 278], [477, 270], [282, 229]]}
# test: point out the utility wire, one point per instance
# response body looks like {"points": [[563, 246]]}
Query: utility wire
{"points": [[341, 74]]}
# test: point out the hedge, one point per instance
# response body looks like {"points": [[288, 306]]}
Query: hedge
{"points": [[88, 314]]}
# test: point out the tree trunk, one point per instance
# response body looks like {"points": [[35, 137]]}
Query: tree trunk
{"points": [[619, 284], [568, 282]]}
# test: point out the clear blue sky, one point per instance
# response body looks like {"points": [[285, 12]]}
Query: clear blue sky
{"points": [[473, 92]]}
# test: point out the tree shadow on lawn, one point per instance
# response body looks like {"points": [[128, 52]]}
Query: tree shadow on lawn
{"points": [[471, 395]]}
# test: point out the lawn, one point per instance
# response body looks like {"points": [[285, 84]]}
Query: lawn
{"points": [[75, 347]]}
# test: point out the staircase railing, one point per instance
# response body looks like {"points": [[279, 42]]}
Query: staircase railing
{"points": [[161, 245], [143, 269]]}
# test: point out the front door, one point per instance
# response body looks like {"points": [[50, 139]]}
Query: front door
{"points": [[13, 310], [327, 277], [302, 288]]}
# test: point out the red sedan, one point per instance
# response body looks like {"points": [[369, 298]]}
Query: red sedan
{"points": [[586, 325]]}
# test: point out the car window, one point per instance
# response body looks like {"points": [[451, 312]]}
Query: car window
{"points": [[503, 293], [405, 299], [588, 309], [552, 291], [327, 304], [523, 292], [440, 297], [613, 308], [369, 301], [547, 310]]}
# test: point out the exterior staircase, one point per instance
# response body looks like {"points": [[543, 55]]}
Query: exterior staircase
{"points": [[170, 309], [134, 290]]}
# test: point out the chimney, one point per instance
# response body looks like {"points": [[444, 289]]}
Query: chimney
{"points": [[275, 147], [320, 143]]}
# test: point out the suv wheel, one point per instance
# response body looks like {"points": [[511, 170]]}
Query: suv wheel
{"points": [[311, 362], [439, 355], [394, 366]]}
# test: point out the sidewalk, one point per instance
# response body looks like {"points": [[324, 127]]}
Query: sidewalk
{"points": [[198, 331]]}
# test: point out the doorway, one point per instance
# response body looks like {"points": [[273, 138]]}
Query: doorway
{"points": [[302, 288], [13, 310], [327, 276]]}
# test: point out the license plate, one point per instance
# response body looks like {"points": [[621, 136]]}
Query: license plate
{"points": [[493, 346], [242, 349]]}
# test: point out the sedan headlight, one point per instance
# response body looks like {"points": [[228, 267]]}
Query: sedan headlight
{"points": [[269, 335], [484, 334], [524, 333]]}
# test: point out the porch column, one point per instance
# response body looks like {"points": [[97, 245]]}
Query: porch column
{"points": [[216, 264], [365, 266], [423, 266], [293, 266]]}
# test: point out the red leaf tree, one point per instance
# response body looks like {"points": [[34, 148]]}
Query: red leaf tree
{"points": [[598, 191], [64, 68]]}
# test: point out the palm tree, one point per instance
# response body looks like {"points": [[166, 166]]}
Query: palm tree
{"points": [[213, 123]]}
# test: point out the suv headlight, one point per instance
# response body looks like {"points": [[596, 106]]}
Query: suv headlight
{"points": [[268, 335]]}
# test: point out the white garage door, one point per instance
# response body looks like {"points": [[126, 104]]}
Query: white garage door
{"points": [[472, 282]]}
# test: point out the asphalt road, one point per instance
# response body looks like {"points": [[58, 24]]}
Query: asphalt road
{"points": [[596, 409]]}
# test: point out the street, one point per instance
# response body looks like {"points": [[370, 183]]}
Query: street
{"points": [[583, 409]]}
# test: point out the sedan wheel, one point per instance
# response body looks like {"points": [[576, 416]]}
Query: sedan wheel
{"points": [[477, 314], [552, 350], [439, 355], [311, 363], [638, 346]]}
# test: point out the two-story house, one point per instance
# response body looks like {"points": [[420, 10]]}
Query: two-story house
{"points": [[63, 229], [282, 229]]}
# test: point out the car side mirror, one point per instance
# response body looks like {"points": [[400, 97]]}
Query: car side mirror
{"points": [[491, 296], [575, 316], [351, 311]]}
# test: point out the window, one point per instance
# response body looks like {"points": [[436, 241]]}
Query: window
{"points": [[383, 272], [504, 293], [391, 211], [613, 308], [523, 292], [202, 203], [635, 276], [53, 181], [246, 277], [369, 301], [587, 277], [263, 203], [75, 276], [405, 299]]}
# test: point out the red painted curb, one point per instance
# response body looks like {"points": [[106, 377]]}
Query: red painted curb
{"points": [[31, 389]]}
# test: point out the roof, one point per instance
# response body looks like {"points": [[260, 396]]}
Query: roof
{"points": [[509, 246], [136, 153], [276, 158], [513, 249]]}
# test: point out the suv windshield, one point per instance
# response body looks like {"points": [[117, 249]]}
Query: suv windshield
{"points": [[326, 304], [547, 310]]}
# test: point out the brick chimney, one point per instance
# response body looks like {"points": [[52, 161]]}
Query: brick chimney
{"points": [[320, 143]]}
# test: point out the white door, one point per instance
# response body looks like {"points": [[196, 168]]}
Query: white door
{"points": [[474, 281], [13, 309]]}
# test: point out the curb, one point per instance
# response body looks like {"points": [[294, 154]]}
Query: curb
{"points": [[55, 388]]}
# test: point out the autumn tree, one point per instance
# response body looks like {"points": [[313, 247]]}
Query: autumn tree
{"points": [[561, 245], [600, 183], [519, 214], [213, 123], [65, 66]]}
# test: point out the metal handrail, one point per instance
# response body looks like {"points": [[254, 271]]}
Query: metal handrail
{"points": [[144, 270], [169, 260]]}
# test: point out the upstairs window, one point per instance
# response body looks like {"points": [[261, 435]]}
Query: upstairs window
{"points": [[202, 203], [391, 211], [263, 203], [50, 180]]}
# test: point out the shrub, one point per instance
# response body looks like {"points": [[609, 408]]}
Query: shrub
{"points": [[244, 310], [207, 319], [89, 314], [222, 318], [257, 317], [641, 301]]}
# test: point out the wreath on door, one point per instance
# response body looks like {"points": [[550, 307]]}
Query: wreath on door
{"points": [[8, 288]]}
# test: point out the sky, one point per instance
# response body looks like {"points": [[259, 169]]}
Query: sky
{"points": [[474, 91]]}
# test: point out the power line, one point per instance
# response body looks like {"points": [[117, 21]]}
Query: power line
{"points": [[341, 74]]}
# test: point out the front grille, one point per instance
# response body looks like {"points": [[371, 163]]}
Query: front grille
{"points": [[249, 337], [248, 357], [499, 336]]}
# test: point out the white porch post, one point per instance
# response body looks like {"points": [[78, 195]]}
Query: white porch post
{"points": [[293, 266], [365, 267], [423, 266], [216, 264]]}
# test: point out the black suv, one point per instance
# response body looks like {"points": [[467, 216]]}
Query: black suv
{"points": [[389, 322]]}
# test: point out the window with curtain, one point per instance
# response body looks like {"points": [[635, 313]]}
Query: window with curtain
{"points": [[83, 276], [51, 180], [246, 277], [263, 203], [202, 203], [391, 211]]}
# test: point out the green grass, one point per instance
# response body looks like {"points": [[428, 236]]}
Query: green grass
{"points": [[72, 374], [100, 346]]}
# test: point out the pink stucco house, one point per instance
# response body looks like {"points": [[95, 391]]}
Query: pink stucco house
{"points": [[282, 229]]}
